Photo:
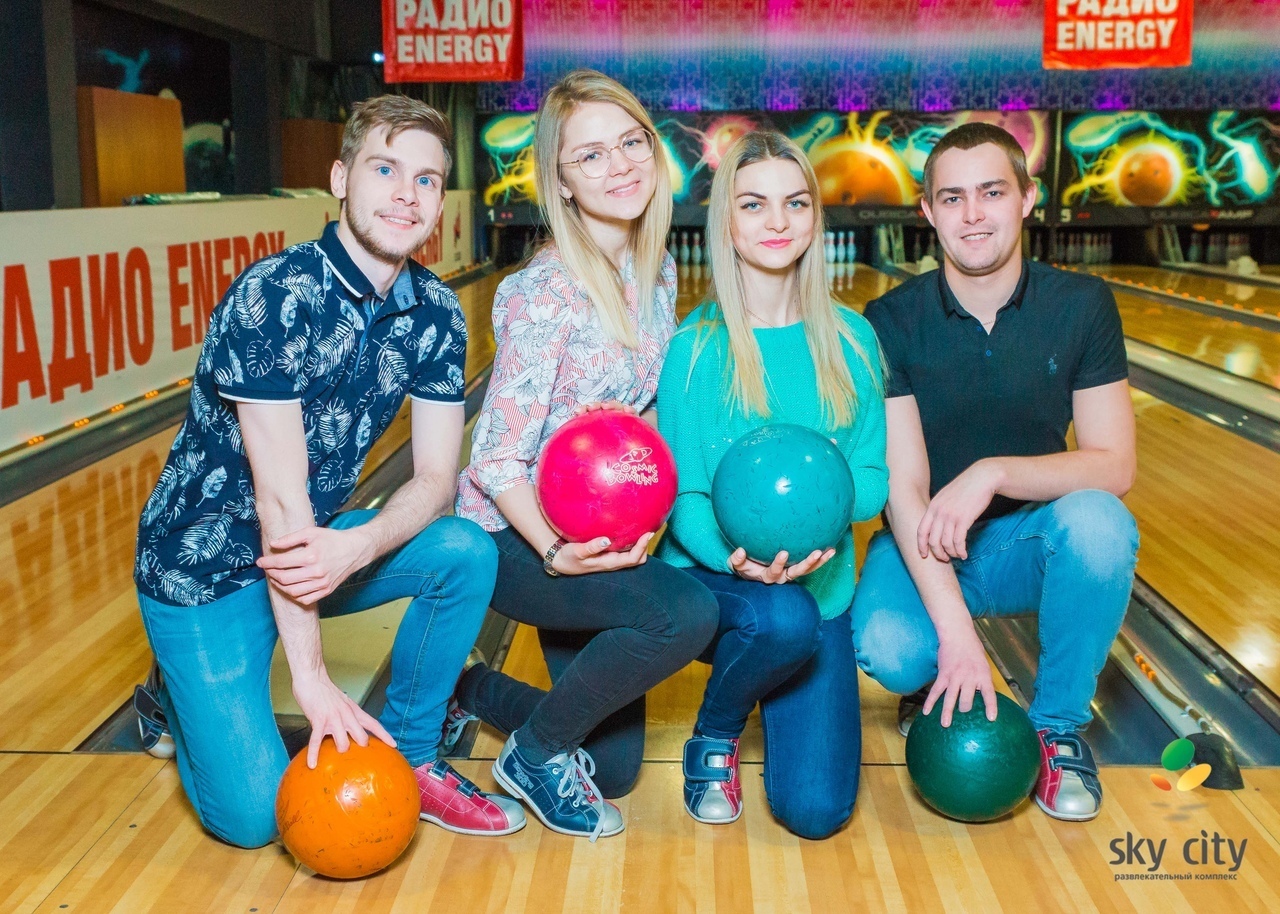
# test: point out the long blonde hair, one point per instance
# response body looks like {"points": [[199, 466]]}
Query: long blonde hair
{"points": [[581, 255], [726, 300]]}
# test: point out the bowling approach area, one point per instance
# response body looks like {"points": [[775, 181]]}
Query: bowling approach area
{"points": [[151, 153]]}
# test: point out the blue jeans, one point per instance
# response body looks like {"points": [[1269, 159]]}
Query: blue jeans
{"points": [[773, 647], [1070, 561], [216, 661]]}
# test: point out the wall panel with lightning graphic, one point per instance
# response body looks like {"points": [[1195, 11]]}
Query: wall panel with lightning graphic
{"points": [[869, 164], [1170, 166]]}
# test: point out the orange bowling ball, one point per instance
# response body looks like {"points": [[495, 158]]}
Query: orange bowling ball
{"points": [[351, 815], [855, 176], [1146, 178]]}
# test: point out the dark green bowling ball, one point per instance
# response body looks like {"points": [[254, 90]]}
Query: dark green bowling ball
{"points": [[975, 770]]}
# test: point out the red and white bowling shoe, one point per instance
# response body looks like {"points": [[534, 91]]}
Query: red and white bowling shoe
{"points": [[454, 803]]}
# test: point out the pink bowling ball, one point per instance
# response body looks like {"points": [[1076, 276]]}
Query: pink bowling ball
{"points": [[606, 473]]}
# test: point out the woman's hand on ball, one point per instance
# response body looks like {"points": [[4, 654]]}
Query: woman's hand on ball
{"points": [[590, 557], [779, 572], [584, 408]]}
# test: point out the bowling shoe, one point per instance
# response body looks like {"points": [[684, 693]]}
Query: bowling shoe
{"points": [[1068, 787], [560, 792], [454, 803], [712, 788], [910, 706], [455, 718], [153, 725]]}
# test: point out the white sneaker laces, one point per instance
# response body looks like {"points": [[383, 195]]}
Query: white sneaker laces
{"points": [[575, 782]]}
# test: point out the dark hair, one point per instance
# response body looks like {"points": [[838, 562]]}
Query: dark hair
{"points": [[396, 113], [970, 136]]}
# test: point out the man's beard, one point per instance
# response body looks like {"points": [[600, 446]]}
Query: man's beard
{"points": [[362, 231]]}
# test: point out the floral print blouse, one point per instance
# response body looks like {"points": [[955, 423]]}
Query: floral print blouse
{"points": [[552, 356]]}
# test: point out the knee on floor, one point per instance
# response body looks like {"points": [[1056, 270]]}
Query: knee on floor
{"points": [[247, 827], [812, 820]]}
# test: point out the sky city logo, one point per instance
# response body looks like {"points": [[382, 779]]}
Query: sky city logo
{"points": [[1177, 756]]}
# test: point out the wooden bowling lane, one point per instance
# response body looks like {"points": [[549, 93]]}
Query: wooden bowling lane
{"points": [[895, 855], [1197, 287], [74, 645], [1244, 351], [1239, 349], [1206, 504]]}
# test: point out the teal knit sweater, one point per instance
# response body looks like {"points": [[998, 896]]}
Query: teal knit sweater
{"points": [[694, 418]]}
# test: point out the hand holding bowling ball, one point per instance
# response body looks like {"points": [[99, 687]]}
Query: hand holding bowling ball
{"points": [[353, 814], [783, 488], [606, 474], [778, 571], [976, 769]]}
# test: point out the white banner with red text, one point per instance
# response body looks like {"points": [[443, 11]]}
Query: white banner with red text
{"points": [[100, 306]]}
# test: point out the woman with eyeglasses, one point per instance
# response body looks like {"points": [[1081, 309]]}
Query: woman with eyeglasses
{"points": [[584, 325], [769, 345]]}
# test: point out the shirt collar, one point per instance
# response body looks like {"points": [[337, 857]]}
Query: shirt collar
{"points": [[403, 294], [951, 304]]}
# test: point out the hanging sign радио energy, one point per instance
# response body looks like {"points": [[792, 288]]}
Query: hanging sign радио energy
{"points": [[452, 40], [1097, 34]]}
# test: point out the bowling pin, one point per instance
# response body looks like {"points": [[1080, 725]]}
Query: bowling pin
{"points": [[695, 250], [684, 248], [829, 246], [672, 248], [915, 249], [841, 252], [1195, 251], [851, 250]]}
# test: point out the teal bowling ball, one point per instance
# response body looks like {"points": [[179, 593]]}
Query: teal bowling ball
{"points": [[782, 488], [975, 770]]}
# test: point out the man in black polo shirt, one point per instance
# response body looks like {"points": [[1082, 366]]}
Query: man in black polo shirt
{"points": [[990, 359], [306, 361]]}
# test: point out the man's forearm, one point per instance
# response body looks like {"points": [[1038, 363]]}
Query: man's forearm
{"points": [[407, 513], [298, 625], [935, 581], [1052, 476]]}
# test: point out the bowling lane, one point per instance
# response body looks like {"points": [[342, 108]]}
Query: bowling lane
{"points": [[1204, 499], [1206, 289], [74, 645]]}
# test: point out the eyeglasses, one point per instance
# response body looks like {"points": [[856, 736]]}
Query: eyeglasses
{"points": [[594, 161]]}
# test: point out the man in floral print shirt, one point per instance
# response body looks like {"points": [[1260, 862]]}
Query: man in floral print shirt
{"points": [[306, 361]]}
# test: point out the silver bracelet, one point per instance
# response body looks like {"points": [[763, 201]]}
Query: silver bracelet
{"points": [[551, 557]]}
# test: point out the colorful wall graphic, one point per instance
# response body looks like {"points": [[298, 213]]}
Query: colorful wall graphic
{"points": [[862, 159], [1170, 159], [867, 55], [117, 50]]}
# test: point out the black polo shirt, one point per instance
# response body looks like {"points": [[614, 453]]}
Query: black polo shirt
{"points": [[1003, 394]]}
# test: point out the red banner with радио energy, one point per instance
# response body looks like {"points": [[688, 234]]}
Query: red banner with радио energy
{"points": [[1096, 34], [452, 40]]}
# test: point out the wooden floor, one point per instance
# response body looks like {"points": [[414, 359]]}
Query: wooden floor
{"points": [[1198, 286], [83, 832]]}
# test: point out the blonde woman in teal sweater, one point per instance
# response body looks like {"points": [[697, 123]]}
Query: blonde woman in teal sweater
{"points": [[770, 345]]}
